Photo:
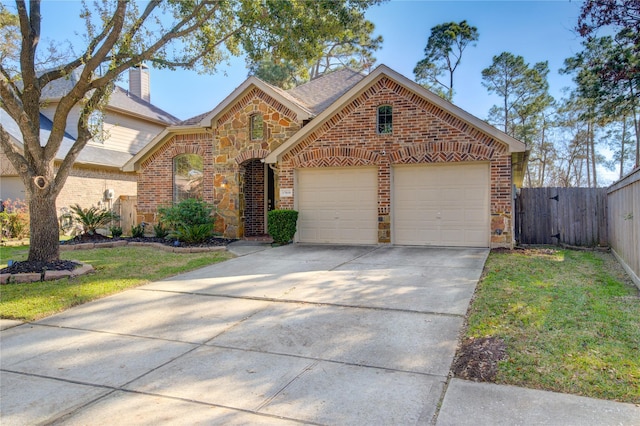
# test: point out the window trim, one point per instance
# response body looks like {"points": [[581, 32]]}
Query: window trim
{"points": [[175, 194], [386, 127], [252, 129]]}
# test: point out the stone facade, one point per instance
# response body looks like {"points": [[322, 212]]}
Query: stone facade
{"points": [[232, 175]]}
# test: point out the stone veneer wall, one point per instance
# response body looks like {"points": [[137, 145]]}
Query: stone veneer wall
{"points": [[422, 133], [227, 150]]}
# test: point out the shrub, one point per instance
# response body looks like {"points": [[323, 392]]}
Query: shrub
{"points": [[14, 219], [281, 225], [160, 231], [137, 231], [189, 221], [116, 231], [91, 218], [193, 234], [187, 212]]}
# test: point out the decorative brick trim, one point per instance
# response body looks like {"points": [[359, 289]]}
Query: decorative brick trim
{"points": [[437, 152], [171, 149], [251, 154], [336, 157]]}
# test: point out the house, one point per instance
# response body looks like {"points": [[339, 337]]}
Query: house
{"points": [[364, 159], [129, 123]]}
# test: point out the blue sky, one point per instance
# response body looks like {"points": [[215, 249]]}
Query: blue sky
{"points": [[536, 30]]}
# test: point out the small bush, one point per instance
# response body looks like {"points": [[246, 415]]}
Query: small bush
{"points": [[193, 234], [189, 221], [160, 231], [116, 231], [282, 225], [187, 212], [14, 219], [91, 218], [137, 231]]}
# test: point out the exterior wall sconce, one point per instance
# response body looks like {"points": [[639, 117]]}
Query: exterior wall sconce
{"points": [[224, 183]]}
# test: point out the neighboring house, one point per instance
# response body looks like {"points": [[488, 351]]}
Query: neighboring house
{"points": [[129, 123], [364, 159]]}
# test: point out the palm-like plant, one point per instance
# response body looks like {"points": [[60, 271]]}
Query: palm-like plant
{"points": [[92, 218]]}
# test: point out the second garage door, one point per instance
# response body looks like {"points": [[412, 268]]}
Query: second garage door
{"points": [[444, 205], [337, 205]]}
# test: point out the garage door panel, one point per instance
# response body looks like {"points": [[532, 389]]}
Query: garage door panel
{"points": [[441, 205], [337, 205]]}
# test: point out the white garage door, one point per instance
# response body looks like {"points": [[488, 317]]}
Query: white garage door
{"points": [[445, 205], [337, 205]]}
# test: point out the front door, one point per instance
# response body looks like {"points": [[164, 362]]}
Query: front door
{"points": [[258, 194]]}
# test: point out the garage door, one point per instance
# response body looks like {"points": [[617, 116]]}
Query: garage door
{"points": [[337, 205], [445, 205]]}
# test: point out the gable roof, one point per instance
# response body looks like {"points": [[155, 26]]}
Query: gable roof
{"points": [[356, 90], [306, 100], [90, 154], [206, 119], [321, 92], [121, 100]]}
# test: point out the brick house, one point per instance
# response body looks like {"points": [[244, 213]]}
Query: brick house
{"points": [[129, 123], [364, 159]]}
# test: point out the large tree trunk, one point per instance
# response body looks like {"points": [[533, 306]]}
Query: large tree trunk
{"points": [[45, 236]]}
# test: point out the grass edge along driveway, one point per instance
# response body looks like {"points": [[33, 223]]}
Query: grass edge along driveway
{"points": [[116, 269], [570, 321]]}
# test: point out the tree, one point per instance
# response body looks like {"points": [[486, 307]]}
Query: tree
{"points": [[523, 90], [443, 54], [353, 48], [618, 69], [119, 35], [9, 35], [523, 112], [280, 73], [604, 101]]}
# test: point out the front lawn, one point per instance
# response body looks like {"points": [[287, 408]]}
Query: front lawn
{"points": [[570, 322], [117, 269]]}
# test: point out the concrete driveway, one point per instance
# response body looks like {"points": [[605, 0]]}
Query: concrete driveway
{"points": [[311, 334]]}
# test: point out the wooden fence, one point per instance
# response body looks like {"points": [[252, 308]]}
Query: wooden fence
{"points": [[624, 223], [573, 216]]}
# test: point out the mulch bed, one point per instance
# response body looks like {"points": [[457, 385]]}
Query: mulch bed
{"points": [[97, 239], [477, 359], [39, 267]]}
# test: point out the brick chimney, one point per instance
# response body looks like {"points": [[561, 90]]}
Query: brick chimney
{"points": [[139, 82]]}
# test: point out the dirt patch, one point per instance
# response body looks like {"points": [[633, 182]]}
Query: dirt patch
{"points": [[477, 358]]}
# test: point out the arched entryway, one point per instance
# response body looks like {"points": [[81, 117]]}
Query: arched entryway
{"points": [[257, 197]]}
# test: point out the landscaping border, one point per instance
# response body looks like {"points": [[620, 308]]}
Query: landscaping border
{"points": [[30, 277], [122, 243]]}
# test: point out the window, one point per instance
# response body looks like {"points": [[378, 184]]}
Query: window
{"points": [[187, 177], [385, 119], [256, 127]]}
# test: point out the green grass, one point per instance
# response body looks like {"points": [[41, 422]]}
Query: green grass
{"points": [[116, 269], [570, 320]]}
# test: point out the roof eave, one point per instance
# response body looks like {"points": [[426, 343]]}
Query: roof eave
{"points": [[299, 110], [133, 165]]}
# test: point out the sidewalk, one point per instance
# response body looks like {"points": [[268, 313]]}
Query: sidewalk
{"points": [[472, 403]]}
